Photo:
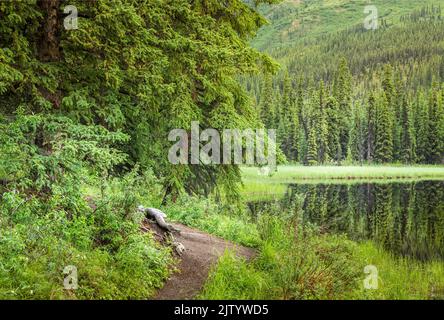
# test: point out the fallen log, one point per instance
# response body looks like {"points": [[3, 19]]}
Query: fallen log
{"points": [[159, 216]]}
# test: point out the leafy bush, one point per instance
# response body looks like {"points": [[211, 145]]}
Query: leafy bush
{"points": [[46, 223]]}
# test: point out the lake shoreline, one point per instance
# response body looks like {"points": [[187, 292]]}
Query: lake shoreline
{"points": [[299, 172], [274, 185]]}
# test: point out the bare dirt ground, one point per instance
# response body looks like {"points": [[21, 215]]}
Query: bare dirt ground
{"points": [[202, 251]]}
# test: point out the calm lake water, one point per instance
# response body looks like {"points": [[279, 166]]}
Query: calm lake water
{"points": [[406, 218]]}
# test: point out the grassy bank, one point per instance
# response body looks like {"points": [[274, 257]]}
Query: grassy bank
{"points": [[299, 263], [263, 187], [399, 278], [288, 174], [296, 261]]}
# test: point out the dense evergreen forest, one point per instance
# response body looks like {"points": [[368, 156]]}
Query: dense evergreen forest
{"points": [[360, 96], [137, 69], [90, 91], [85, 113]]}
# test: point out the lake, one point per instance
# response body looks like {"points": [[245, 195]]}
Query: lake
{"points": [[405, 218]]}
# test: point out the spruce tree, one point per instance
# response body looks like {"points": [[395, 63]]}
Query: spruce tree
{"points": [[407, 145], [267, 104], [441, 126], [398, 100], [320, 117], [333, 131], [342, 91], [294, 129], [312, 149], [421, 126], [371, 128], [356, 146], [141, 67], [433, 141], [384, 132]]}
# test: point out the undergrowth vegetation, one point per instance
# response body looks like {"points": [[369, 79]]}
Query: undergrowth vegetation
{"points": [[293, 262], [299, 261], [62, 205], [47, 224], [229, 222]]}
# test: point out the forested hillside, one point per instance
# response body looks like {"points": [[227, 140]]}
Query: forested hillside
{"points": [[85, 114], [348, 93]]}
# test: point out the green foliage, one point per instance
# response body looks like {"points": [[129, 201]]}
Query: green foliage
{"points": [[298, 261], [142, 67], [267, 104], [85, 116], [39, 238], [294, 263], [311, 37], [46, 223], [325, 41], [384, 134], [234, 279], [38, 151], [312, 153], [388, 124], [399, 278]]}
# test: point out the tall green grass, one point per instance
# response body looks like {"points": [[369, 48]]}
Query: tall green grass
{"points": [[297, 262], [399, 278], [293, 263]]}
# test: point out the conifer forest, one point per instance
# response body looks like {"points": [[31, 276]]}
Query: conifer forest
{"points": [[234, 150]]}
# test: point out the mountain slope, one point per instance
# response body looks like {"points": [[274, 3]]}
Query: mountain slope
{"points": [[308, 38], [295, 21]]}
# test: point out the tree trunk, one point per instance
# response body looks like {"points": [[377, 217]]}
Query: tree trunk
{"points": [[49, 43]]}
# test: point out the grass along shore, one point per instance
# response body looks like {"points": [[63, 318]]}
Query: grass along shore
{"points": [[267, 187], [291, 173], [297, 261], [330, 267]]}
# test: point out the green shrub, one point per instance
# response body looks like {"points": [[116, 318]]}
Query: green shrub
{"points": [[46, 222]]}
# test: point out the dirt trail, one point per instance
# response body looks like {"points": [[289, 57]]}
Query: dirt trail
{"points": [[201, 252]]}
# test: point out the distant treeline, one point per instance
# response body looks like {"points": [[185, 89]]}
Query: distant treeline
{"points": [[321, 123], [360, 95]]}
